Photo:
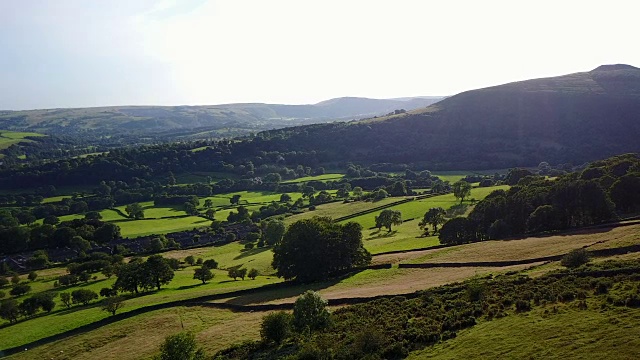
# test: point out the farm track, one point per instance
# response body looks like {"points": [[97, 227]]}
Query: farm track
{"points": [[206, 301]]}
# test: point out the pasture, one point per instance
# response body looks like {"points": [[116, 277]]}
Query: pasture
{"points": [[568, 334], [416, 209], [8, 138]]}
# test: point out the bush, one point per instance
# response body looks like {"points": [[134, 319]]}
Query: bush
{"points": [[575, 258], [33, 276], [310, 312], [275, 327], [181, 346]]}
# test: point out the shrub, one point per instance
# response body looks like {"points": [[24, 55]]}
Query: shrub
{"points": [[310, 312], [181, 346], [276, 327], [575, 258], [33, 276]]}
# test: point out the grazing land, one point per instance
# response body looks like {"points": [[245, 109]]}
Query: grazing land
{"points": [[569, 334], [8, 138]]}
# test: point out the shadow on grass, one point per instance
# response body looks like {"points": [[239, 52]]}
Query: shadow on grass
{"points": [[185, 287], [250, 252], [293, 290], [379, 234]]}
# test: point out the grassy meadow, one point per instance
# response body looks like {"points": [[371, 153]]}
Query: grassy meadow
{"points": [[569, 334], [8, 138]]}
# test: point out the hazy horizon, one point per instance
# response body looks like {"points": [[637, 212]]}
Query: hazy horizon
{"points": [[74, 53]]}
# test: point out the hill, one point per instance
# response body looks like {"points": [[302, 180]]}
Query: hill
{"points": [[229, 119], [573, 118]]}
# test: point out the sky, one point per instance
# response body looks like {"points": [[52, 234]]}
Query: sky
{"points": [[85, 53]]}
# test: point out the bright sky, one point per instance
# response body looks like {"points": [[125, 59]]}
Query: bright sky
{"points": [[77, 53]]}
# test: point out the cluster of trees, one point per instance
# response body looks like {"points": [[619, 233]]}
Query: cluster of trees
{"points": [[78, 233], [318, 248], [138, 275], [601, 192]]}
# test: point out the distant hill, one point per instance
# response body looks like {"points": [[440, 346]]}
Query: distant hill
{"points": [[225, 120], [572, 118]]}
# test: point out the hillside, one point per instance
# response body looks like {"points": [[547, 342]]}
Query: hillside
{"points": [[230, 119], [572, 118]]}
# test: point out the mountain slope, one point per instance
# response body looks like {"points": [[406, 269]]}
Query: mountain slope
{"points": [[572, 118], [145, 120]]}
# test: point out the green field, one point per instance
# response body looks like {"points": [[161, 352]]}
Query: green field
{"points": [[416, 209], [134, 228], [570, 334], [322, 177], [8, 138]]}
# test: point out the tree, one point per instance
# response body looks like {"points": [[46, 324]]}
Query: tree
{"points": [[318, 248], [66, 299], [112, 304], [285, 198], [191, 260], [253, 274], [33, 276], [575, 258], [203, 274], [108, 292], [276, 327], [461, 190], [20, 289], [210, 264], [543, 218], [106, 233], [357, 191], [208, 203], [3, 281], [9, 310], [181, 346], [135, 211], [457, 231], [93, 215], [29, 307], [51, 220], [45, 300], [210, 213], [387, 218], [15, 279], [158, 270], [434, 217], [310, 312], [235, 199], [83, 296], [237, 273], [274, 232], [79, 244]]}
